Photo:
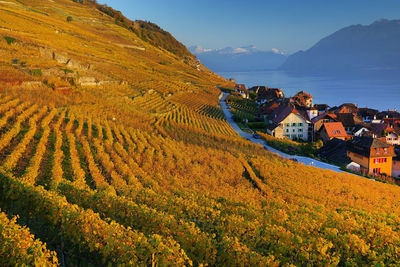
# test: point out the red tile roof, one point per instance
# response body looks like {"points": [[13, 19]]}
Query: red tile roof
{"points": [[335, 129]]}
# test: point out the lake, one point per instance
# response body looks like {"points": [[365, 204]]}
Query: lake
{"points": [[372, 92]]}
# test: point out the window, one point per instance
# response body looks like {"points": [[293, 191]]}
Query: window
{"points": [[378, 151], [338, 131], [386, 150], [293, 124], [334, 132], [294, 130], [300, 130], [382, 160], [377, 170], [287, 124], [300, 135], [287, 130], [300, 124]]}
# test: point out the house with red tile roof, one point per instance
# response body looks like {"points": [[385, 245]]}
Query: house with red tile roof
{"points": [[302, 99], [332, 130], [349, 121]]}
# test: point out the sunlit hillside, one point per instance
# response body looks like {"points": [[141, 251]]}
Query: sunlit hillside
{"points": [[113, 151]]}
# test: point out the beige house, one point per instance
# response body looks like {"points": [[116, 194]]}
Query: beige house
{"points": [[287, 121]]}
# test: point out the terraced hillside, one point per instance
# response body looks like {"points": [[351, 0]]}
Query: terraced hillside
{"points": [[114, 151]]}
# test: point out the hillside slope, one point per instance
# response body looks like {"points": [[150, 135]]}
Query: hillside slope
{"points": [[115, 152]]}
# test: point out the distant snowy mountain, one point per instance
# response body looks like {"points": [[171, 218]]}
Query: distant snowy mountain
{"points": [[357, 48], [247, 58]]}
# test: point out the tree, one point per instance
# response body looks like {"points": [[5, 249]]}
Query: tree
{"points": [[69, 19]]}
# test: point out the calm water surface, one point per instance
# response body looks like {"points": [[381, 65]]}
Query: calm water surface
{"points": [[378, 93]]}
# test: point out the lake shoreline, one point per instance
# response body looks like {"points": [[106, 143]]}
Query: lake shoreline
{"points": [[373, 92]]}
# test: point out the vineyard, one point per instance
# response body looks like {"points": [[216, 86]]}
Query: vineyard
{"points": [[99, 193], [117, 153]]}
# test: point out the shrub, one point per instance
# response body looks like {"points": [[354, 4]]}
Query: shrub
{"points": [[69, 19], [66, 71], [36, 72], [9, 39]]}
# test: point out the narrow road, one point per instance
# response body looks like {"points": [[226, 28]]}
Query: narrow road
{"points": [[301, 159]]}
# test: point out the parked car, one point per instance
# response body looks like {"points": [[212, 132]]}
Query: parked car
{"points": [[256, 136]]}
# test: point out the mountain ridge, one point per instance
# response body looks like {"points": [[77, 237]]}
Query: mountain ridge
{"points": [[246, 58], [358, 48]]}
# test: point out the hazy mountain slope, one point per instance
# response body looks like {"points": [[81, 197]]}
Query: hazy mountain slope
{"points": [[239, 59], [355, 48]]}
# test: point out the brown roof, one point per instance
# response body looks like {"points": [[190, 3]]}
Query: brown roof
{"points": [[267, 93], [304, 94], [347, 108], [335, 129], [283, 111], [269, 107], [301, 98], [364, 112], [379, 128], [363, 145], [348, 119], [321, 107], [323, 116]]}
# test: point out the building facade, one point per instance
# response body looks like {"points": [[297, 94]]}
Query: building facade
{"points": [[374, 156], [294, 126]]}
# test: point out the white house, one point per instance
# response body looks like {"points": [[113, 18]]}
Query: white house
{"points": [[287, 121]]}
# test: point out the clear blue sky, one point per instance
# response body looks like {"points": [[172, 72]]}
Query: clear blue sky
{"points": [[288, 25]]}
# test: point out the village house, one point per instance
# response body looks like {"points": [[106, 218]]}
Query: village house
{"points": [[345, 108], [322, 108], [312, 113], [349, 121], [241, 89], [287, 121], [318, 122], [265, 94], [332, 130], [388, 114], [367, 114], [267, 108], [302, 99], [386, 133], [373, 155]]}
